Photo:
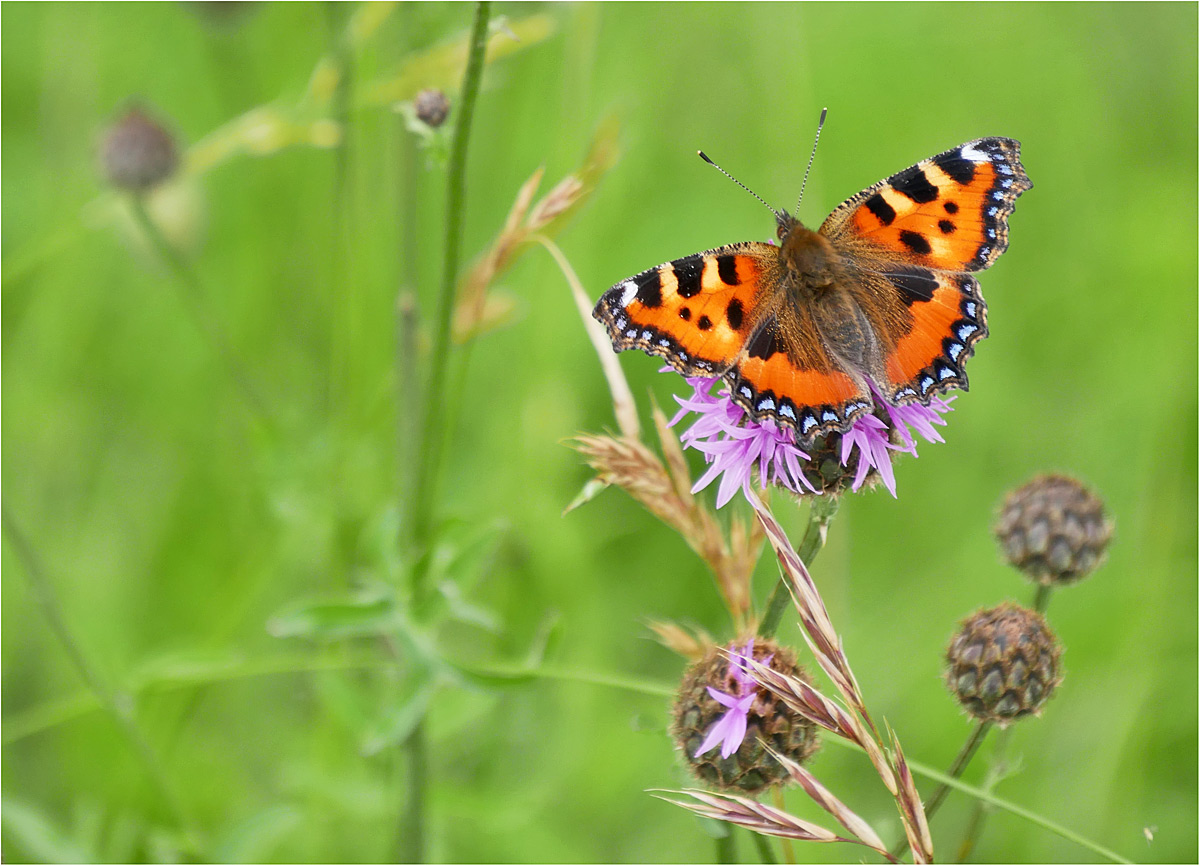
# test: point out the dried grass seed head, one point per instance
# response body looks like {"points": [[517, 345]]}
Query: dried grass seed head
{"points": [[1054, 530], [1003, 663]]}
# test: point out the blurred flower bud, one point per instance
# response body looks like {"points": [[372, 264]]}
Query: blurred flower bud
{"points": [[138, 154], [1003, 663], [432, 107], [1054, 529]]}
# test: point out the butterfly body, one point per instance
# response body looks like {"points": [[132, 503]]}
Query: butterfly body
{"points": [[877, 304]]}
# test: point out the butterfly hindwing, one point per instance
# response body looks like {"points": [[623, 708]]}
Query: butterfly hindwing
{"points": [[696, 312], [948, 212], [941, 316], [785, 375]]}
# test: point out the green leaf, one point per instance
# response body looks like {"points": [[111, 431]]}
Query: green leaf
{"points": [[31, 836], [365, 615], [256, 839]]}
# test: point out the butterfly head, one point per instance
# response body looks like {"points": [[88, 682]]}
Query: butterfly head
{"points": [[807, 255]]}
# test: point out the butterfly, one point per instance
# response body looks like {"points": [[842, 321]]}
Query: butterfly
{"points": [[880, 302]]}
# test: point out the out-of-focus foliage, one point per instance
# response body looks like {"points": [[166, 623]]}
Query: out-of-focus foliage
{"points": [[217, 574]]}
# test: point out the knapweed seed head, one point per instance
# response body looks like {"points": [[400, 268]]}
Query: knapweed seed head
{"points": [[432, 107], [1054, 530], [1003, 663], [721, 714], [138, 153]]}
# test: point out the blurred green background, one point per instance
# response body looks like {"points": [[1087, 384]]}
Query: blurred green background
{"points": [[183, 542]]}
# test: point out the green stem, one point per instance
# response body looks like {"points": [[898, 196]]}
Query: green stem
{"points": [[763, 845], [192, 294], [998, 771], [410, 847], [118, 705], [1042, 600], [431, 430], [726, 852], [965, 754], [820, 514]]}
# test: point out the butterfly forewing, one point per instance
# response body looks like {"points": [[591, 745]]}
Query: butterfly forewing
{"points": [[696, 312], [948, 212]]}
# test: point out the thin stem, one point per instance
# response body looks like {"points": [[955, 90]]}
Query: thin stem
{"points": [[726, 852], [410, 847], [998, 771], [965, 754], [820, 514], [192, 293], [118, 705], [1042, 599], [789, 850], [431, 430], [763, 845]]}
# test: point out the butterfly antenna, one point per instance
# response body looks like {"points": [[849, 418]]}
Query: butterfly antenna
{"points": [[704, 157], [812, 156]]}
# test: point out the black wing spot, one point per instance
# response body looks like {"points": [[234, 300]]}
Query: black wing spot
{"points": [[685, 313], [960, 170], [915, 284], [951, 207], [913, 183], [704, 323], [734, 313], [946, 226], [649, 291], [883, 211], [687, 273], [727, 270], [916, 242], [766, 343]]}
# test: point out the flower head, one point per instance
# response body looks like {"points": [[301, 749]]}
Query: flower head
{"points": [[730, 729], [720, 704], [734, 444]]}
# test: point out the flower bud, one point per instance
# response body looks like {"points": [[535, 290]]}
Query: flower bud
{"points": [[1003, 663], [432, 107], [1054, 529], [720, 737], [138, 153]]}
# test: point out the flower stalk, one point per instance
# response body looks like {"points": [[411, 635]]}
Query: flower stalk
{"points": [[192, 294], [820, 515], [420, 514], [410, 846]]}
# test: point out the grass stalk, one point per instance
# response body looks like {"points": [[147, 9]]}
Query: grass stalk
{"points": [[820, 513], [118, 705]]}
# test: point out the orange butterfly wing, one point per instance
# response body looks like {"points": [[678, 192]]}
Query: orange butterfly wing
{"points": [[787, 376], [913, 238], [696, 312]]}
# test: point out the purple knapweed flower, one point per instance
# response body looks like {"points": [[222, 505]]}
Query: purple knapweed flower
{"points": [[730, 729], [734, 444]]}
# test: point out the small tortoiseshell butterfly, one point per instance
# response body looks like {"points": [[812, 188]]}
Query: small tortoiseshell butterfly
{"points": [[879, 298]]}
